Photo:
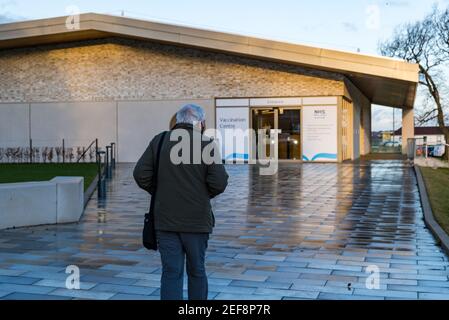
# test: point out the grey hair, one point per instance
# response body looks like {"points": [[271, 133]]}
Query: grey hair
{"points": [[191, 114]]}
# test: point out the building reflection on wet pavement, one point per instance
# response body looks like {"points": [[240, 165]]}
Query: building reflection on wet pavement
{"points": [[310, 231]]}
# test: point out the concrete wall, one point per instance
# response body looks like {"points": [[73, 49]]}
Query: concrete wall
{"points": [[14, 124], [408, 128], [138, 122], [69, 198], [60, 200], [77, 122], [131, 124], [26, 204]]}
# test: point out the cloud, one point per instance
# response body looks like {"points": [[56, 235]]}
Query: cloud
{"points": [[382, 118], [5, 18], [350, 27], [5, 12], [397, 3], [5, 4]]}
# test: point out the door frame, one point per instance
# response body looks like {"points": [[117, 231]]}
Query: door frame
{"points": [[251, 109], [276, 126], [299, 108]]}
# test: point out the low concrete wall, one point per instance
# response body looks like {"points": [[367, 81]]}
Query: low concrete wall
{"points": [[69, 198], [441, 236], [30, 203], [60, 200]]}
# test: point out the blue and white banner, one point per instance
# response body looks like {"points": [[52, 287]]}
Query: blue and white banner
{"points": [[319, 133], [233, 125]]}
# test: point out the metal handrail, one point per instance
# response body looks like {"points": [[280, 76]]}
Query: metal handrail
{"points": [[425, 145], [104, 169], [87, 149]]}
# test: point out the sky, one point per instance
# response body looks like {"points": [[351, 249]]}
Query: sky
{"points": [[349, 25]]}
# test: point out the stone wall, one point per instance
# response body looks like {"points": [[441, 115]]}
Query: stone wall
{"points": [[121, 69]]}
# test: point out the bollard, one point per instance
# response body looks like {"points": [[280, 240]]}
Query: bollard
{"points": [[110, 159], [101, 185], [425, 146], [411, 151], [107, 168], [113, 154]]}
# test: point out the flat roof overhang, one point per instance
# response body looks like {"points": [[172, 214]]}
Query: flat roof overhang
{"points": [[385, 81]]}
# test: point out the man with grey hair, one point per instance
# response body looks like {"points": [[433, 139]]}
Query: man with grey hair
{"points": [[191, 114], [182, 211]]}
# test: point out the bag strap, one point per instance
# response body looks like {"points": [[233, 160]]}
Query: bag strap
{"points": [[156, 170], [158, 156]]}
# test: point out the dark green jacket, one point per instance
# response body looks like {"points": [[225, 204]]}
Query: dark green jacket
{"points": [[184, 191]]}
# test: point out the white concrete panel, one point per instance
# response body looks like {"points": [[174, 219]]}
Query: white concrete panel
{"points": [[319, 100], [139, 122], [14, 125], [232, 102], [263, 102], [77, 122], [27, 204], [69, 198]]}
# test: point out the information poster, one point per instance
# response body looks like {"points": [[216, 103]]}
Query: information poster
{"points": [[233, 124], [319, 133]]}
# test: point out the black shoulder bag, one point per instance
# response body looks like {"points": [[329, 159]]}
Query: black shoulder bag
{"points": [[149, 232]]}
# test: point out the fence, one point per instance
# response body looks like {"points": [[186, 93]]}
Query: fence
{"points": [[105, 166], [419, 148], [59, 152], [46, 151]]}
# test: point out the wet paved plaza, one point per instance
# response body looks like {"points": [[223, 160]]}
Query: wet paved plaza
{"points": [[309, 232]]}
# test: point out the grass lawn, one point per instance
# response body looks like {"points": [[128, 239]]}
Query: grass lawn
{"points": [[437, 185], [21, 172]]}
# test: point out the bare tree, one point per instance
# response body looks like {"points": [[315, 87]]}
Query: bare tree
{"points": [[426, 43], [442, 24], [58, 153], [50, 155]]}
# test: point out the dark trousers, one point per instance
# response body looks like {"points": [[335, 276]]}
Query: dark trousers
{"points": [[175, 248]]}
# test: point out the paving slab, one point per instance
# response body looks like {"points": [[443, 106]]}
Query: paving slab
{"points": [[304, 233], [32, 296]]}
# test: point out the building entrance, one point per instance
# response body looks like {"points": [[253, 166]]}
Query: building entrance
{"points": [[288, 120]]}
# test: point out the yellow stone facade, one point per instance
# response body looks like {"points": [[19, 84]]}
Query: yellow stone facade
{"points": [[119, 69]]}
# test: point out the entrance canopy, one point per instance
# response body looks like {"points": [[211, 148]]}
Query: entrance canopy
{"points": [[384, 81]]}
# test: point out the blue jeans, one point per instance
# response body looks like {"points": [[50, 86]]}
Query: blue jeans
{"points": [[174, 247]]}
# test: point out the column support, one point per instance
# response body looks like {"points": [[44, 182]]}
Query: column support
{"points": [[408, 127]]}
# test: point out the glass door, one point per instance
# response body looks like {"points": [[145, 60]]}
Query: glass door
{"points": [[288, 120], [264, 119]]}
